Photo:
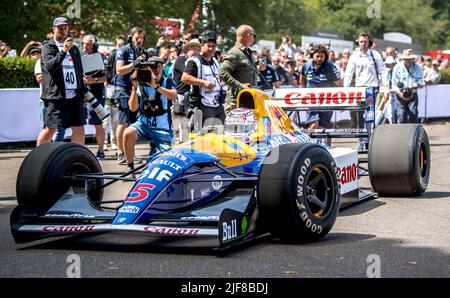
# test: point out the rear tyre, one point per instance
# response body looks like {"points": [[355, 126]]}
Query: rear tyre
{"points": [[40, 181], [299, 194], [399, 160]]}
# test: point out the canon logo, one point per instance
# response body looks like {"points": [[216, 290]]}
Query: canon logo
{"points": [[60, 229], [323, 98], [171, 231], [348, 174]]}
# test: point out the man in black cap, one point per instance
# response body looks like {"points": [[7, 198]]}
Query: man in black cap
{"points": [[63, 88]]}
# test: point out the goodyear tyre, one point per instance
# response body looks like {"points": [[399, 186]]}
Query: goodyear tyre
{"points": [[399, 160], [40, 181], [298, 192]]}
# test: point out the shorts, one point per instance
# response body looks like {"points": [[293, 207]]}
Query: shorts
{"points": [[213, 113], [125, 115], [64, 113], [324, 118], [161, 139]]}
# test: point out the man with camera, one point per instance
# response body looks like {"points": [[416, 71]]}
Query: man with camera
{"points": [[151, 94], [95, 84], [127, 57], [202, 72], [407, 77], [62, 85]]}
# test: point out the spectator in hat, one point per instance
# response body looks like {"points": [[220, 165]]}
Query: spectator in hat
{"points": [[63, 87], [407, 76]]}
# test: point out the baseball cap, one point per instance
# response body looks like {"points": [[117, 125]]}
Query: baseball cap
{"points": [[435, 62], [33, 50], [60, 21]]}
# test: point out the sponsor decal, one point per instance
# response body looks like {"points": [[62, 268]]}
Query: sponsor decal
{"points": [[323, 98], [229, 230], [315, 228], [218, 183], [205, 192], [348, 174], [180, 156], [129, 209], [171, 231], [71, 215], [62, 229], [200, 218], [232, 225], [169, 163]]}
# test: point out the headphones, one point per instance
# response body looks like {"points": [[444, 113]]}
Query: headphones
{"points": [[134, 31], [318, 48], [95, 45], [365, 34]]}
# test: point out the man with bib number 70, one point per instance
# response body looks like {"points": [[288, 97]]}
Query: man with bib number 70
{"points": [[62, 85]]}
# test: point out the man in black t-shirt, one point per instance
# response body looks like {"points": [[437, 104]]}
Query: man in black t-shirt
{"points": [[202, 72]]}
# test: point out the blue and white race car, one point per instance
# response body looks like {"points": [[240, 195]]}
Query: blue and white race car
{"points": [[257, 174]]}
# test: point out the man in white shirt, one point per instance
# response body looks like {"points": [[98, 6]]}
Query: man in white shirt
{"points": [[368, 67]]}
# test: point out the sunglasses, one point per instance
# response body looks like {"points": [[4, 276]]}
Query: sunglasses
{"points": [[254, 35]]}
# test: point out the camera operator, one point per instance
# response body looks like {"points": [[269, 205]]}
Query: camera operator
{"points": [[62, 85], [407, 77], [95, 84], [127, 57], [202, 72], [151, 94]]}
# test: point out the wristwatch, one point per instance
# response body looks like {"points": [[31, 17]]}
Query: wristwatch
{"points": [[157, 86]]}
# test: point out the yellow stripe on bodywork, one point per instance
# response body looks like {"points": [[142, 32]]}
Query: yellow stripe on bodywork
{"points": [[230, 151]]}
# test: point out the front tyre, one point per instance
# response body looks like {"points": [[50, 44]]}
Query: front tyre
{"points": [[40, 181], [299, 194]]}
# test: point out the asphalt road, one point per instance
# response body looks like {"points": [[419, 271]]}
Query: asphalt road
{"points": [[408, 236]]}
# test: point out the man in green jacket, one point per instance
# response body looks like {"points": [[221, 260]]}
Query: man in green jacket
{"points": [[239, 70]]}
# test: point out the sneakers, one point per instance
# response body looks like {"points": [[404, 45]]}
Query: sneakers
{"points": [[100, 155], [113, 146], [129, 169], [121, 159]]}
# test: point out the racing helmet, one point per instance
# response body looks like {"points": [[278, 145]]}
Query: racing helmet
{"points": [[240, 124]]}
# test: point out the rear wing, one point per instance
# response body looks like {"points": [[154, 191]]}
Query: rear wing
{"points": [[331, 99], [296, 100]]}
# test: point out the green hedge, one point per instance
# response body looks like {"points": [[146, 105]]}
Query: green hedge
{"points": [[445, 79], [17, 73]]}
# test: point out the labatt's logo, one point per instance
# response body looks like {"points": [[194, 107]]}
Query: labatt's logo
{"points": [[323, 98], [348, 174]]}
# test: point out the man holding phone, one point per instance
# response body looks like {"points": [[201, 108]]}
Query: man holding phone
{"points": [[62, 85]]}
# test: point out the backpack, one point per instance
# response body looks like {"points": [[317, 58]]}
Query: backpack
{"points": [[110, 68]]}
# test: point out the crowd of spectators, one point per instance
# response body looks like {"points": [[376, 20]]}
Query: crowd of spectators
{"points": [[197, 67]]}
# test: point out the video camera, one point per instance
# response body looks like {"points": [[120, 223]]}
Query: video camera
{"points": [[407, 91]]}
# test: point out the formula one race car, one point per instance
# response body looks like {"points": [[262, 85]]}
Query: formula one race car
{"points": [[257, 174]]}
